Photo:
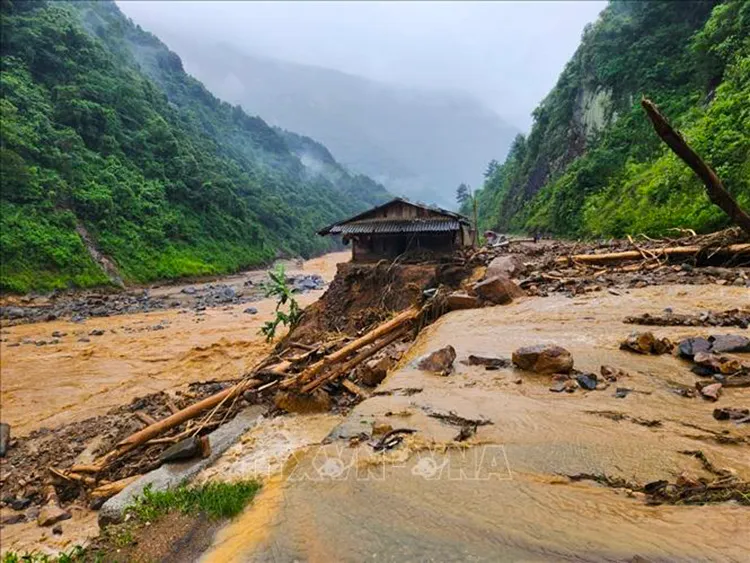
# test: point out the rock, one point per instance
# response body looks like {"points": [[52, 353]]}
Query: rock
{"points": [[12, 312], [691, 346], [543, 358], [646, 343], [84, 339], [729, 343], [10, 519], [57, 529], [508, 266], [251, 311], [189, 290], [488, 362], [289, 401], [587, 381], [96, 332], [558, 387], [711, 391], [622, 392], [439, 361], [20, 503], [612, 374], [498, 290], [373, 372], [717, 363], [459, 300], [188, 448], [51, 514], [58, 334], [731, 413], [4, 438], [226, 294], [570, 386]]}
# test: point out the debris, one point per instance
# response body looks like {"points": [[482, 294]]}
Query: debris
{"points": [[646, 343], [711, 391], [455, 420], [4, 438], [465, 433], [439, 361], [543, 358], [731, 413], [498, 290], [489, 363], [195, 446], [732, 317], [392, 439]]}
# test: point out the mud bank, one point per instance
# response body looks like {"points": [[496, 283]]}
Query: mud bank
{"points": [[515, 489]]}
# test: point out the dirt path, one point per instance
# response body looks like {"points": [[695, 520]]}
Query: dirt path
{"points": [[86, 373], [507, 494]]}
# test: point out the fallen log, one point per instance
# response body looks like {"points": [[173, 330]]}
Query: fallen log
{"points": [[111, 489], [342, 353], [714, 187], [355, 361], [678, 251], [172, 421]]}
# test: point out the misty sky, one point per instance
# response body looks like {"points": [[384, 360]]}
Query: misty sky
{"points": [[507, 54]]}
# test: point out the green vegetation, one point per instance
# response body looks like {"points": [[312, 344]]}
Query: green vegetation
{"points": [[214, 499], [75, 554], [592, 164], [279, 288], [101, 127]]}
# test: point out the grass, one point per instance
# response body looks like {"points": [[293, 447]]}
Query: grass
{"points": [[215, 499], [75, 554]]}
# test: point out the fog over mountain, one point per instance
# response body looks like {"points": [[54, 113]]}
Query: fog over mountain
{"points": [[417, 95]]}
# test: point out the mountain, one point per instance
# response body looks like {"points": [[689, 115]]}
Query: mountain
{"points": [[420, 144], [592, 164], [115, 160]]}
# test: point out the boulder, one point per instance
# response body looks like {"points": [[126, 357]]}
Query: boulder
{"points": [[460, 300], [691, 346], [729, 343], [303, 403], [498, 290], [509, 266], [52, 514], [373, 372], [543, 358], [439, 361], [4, 438]]}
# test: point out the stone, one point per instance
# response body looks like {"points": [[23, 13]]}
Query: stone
{"points": [[373, 372], [251, 311], [587, 381], [459, 300], [195, 446], [646, 343], [10, 519], [689, 347], [84, 339], [612, 374], [12, 312], [439, 361], [51, 514], [498, 290], [558, 387], [19, 503], [543, 358], [303, 403], [508, 266], [96, 332], [4, 438], [57, 529], [189, 290], [711, 391], [729, 343], [731, 413], [489, 363]]}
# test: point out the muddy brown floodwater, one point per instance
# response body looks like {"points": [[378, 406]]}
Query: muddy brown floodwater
{"points": [[506, 493], [73, 379]]}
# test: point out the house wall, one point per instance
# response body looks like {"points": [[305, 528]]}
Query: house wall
{"points": [[370, 248]]}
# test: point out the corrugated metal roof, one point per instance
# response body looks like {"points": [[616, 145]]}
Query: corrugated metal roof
{"points": [[395, 226]]}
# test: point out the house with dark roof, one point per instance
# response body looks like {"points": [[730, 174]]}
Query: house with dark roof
{"points": [[401, 226]]}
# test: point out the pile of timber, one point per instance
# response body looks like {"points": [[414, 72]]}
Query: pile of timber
{"points": [[301, 373]]}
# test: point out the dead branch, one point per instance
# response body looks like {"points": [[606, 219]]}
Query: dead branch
{"points": [[714, 187], [678, 251]]}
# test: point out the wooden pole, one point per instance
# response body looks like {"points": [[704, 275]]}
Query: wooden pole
{"points": [[715, 189], [341, 354], [663, 252]]}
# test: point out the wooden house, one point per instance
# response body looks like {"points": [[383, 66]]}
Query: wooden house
{"points": [[400, 226]]}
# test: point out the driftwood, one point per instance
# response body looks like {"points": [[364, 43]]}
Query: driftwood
{"points": [[111, 489], [678, 251], [152, 431], [714, 187], [341, 354], [356, 360]]}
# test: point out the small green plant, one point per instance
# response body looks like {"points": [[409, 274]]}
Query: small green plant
{"points": [[77, 553], [215, 499], [279, 289]]}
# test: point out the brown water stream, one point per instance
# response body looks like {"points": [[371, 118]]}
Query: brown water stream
{"points": [[506, 495]]}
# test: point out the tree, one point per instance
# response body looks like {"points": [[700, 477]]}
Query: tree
{"points": [[462, 193], [492, 166]]}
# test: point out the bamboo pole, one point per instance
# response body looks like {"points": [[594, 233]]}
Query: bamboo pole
{"points": [[340, 354], [662, 252]]}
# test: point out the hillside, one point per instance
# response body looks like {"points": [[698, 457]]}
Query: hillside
{"points": [[104, 134], [592, 165], [420, 144]]}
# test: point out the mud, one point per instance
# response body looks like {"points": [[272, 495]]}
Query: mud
{"points": [[551, 478]]}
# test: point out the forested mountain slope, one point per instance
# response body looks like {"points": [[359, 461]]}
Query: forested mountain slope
{"points": [[592, 164], [103, 130], [420, 144]]}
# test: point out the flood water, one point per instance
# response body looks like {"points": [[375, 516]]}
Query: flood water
{"points": [[507, 495]]}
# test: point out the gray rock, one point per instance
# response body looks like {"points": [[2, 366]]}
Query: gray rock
{"points": [[188, 448], [189, 290], [587, 381], [729, 343], [691, 346], [251, 311]]}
